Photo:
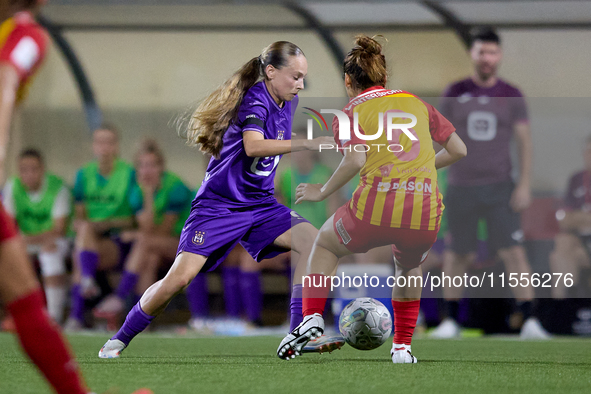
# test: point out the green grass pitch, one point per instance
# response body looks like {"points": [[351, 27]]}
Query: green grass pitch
{"points": [[249, 365]]}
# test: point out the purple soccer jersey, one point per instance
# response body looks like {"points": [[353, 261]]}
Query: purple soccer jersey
{"points": [[484, 119], [235, 202], [236, 180]]}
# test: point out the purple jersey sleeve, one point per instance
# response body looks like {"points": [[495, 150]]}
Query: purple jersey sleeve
{"points": [[252, 115]]}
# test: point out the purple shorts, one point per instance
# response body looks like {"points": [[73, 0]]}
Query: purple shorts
{"points": [[214, 232]]}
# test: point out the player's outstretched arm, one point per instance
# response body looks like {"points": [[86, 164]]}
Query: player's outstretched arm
{"points": [[255, 144], [454, 150], [349, 166]]}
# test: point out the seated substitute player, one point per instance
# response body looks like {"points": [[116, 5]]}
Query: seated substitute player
{"points": [[572, 246], [41, 204], [487, 112], [246, 126], [397, 201], [102, 211], [161, 202]]}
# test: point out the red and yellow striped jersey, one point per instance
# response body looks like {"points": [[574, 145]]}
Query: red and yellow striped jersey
{"points": [[23, 45], [398, 183]]}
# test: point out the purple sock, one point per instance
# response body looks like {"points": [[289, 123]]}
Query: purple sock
{"points": [[197, 296], [230, 277], [77, 304], [136, 321], [295, 307], [88, 263], [127, 284], [252, 296]]}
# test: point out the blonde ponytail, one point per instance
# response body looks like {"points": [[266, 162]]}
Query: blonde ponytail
{"points": [[216, 113]]}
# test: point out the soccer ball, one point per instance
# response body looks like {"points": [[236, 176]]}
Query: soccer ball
{"points": [[365, 323]]}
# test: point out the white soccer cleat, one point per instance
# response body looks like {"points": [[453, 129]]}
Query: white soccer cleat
{"points": [[401, 354], [447, 329], [311, 327], [324, 344], [112, 349], [532, 329]]}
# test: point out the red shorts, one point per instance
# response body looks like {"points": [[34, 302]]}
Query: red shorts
{"points": [[7, 226], [409, 247]]}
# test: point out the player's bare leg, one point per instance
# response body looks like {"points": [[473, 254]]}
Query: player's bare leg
{"points": [[321, 265], [91, 254], [39, 336], [149, 273], [140, 272], [453, 265], [405, 302], [299, 239], [515, 260], [186, 266]]}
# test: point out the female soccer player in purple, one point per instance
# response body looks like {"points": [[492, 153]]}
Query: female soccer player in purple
{"points": [[245, 125]]}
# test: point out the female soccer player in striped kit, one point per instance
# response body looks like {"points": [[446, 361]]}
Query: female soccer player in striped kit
{"points": [[246, 126], [396, 203]]}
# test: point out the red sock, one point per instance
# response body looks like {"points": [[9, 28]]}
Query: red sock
{"points": [[42, 341], [314, 294], [405, 320]]}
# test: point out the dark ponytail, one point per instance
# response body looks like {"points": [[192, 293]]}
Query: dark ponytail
{"points": [[365, 64]]}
